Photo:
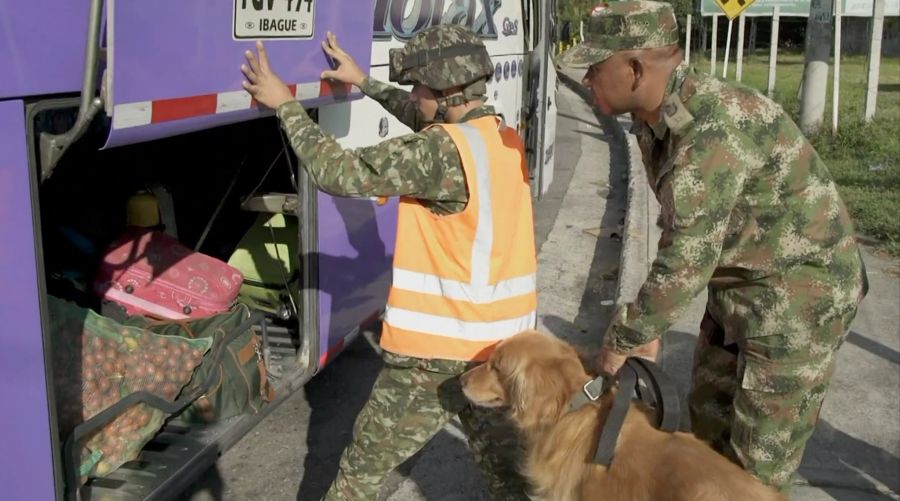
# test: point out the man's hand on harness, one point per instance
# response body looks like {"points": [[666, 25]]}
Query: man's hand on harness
{"points": [[609, 361]]}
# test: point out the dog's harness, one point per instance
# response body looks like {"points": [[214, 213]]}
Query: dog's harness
{"points": [[658, 392]]}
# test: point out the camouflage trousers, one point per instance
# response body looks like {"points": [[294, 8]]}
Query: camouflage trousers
{"points": [[757, 401], [411, 401]]}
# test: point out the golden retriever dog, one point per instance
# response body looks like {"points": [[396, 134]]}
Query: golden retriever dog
{"points": [[536, 375]]}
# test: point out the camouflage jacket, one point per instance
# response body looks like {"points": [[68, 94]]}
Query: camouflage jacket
{"points": [[748, 209], [423, 165]]}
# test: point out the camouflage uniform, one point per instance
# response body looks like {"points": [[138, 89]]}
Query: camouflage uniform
{"points": [[411, 402], [424, 165], [750, 212], [413, 399]]}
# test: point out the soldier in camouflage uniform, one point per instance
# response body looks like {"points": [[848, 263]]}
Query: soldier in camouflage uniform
{"points": [[750, 212], [413, 398]]}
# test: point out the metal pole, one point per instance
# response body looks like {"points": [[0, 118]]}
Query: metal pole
{"points": [[53, 146], [836, 85], [687, 40], [712, 47], [773, 50], [874, 58], [815, 73], [739, 72], [727, 50]]}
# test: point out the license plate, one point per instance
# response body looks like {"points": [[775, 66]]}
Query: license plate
{"points": [[285, 19]]}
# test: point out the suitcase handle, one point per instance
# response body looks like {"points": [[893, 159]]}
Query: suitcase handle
{"points": [[272, 203], [104, 417]]}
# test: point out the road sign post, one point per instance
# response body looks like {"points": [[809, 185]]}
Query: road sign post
{"points": [[727, 49]]}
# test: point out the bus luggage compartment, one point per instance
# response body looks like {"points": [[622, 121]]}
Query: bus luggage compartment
{"points": [[85, 206]]}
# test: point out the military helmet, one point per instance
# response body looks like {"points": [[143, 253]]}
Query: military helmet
{"points": [[442, 57]]}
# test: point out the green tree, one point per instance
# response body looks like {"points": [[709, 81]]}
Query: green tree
{"points": [[682, 8], [574, 11]]}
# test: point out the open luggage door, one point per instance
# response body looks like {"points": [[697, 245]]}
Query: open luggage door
{"points": [[541, 98]]}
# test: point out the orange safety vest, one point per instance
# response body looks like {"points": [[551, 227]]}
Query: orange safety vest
{"points": [[463, 282]]}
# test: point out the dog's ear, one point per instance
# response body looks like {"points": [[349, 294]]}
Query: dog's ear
{"points": [[537, 393]]}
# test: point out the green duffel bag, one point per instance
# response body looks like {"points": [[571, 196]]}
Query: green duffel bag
{"points": [[241, 386], [267, 258]]}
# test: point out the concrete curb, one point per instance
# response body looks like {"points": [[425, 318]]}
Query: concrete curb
{"points": [[635, 258], [636, 245]]}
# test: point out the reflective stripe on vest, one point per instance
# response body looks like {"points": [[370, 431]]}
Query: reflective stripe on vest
{"points": [[484, 231], [454, 328], [432, 316], [424, 283]]}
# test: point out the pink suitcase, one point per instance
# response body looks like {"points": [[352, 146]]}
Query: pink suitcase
{"points": [[152, 274]]}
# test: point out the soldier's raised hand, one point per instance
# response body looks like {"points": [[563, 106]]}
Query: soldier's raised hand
{"points": [[262, 83], [346, 69]]}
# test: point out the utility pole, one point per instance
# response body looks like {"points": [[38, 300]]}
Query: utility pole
{"points": [[815, 74], [874, 59]]}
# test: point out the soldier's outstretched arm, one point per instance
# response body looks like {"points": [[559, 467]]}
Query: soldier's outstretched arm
{"points": [[424, 165], [394, 100], [702, 187]]}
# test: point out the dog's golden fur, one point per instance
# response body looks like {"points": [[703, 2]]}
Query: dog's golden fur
{"points": [[536, 374]]}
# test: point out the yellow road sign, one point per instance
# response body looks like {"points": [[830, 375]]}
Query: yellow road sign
{"points": [[733, 8]]}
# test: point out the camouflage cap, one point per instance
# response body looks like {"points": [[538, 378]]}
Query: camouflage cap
{"points": [[441, 57], [618, 26]]}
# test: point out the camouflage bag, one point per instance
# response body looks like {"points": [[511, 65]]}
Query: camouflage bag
{"points": [[240, 378]]}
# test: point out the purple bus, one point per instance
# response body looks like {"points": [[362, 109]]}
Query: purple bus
{"points": [[100, 100]]}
